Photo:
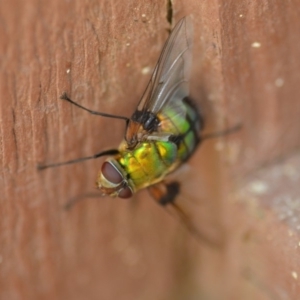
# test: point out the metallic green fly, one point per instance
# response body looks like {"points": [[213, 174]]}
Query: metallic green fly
{"points": [[162, 133]]}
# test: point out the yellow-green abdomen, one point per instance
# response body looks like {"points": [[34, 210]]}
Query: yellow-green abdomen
{"points": [[183, 126]]}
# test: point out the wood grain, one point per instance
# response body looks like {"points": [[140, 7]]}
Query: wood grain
{"points": [[245, 70]]}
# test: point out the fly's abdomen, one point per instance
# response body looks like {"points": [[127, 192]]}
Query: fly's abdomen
{"points": [[183, 127], [149, 162]]}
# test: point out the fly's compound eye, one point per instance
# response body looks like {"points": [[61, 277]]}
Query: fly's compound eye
{"points": [[126, 192], [114, 177], [110, 173]]}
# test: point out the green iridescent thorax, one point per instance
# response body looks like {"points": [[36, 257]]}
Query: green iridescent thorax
{"points": [[148, 163]]}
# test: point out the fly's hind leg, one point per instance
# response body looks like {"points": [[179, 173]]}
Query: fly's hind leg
{"points": [[221, 133], [165, 194]]}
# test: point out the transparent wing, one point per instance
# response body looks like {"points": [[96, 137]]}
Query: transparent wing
{"points": [[169, 81]]}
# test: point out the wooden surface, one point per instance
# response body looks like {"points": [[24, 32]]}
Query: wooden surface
{"points": [[246, 70]]}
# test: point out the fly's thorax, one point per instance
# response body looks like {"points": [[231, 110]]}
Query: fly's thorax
{"points": [[112, 180], [148, 163]]}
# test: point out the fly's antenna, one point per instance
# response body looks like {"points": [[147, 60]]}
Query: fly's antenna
{"points": [[73, 161], [64, 96]]}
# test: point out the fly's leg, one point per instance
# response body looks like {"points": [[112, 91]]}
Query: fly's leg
{"points": [[221, 133], [71, 202], [77, 160], [165, 194], [65, 97]]}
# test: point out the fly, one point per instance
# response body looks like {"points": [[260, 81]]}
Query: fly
{"points": [[161, 135]]}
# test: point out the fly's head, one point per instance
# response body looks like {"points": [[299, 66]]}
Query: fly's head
{"points": [[132, 134], [140, 126], [112, 180]]}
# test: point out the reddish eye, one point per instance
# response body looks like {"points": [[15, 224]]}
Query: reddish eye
{"points": [[125, 193], [110, 173]]}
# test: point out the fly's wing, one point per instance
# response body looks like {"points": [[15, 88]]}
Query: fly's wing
{"points": [[171, 74], [168, 85]]}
